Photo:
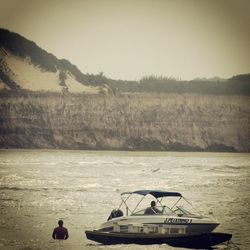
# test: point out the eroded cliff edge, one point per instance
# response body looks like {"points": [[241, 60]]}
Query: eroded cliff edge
{"points": [[180, 122]]}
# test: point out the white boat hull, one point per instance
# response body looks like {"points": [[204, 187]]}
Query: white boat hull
{"points": [[174, 224]]}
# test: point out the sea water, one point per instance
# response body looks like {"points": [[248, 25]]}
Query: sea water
{"points": [[39, 187]]}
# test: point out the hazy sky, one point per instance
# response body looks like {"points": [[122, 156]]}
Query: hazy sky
{"points": [[130, 39]]}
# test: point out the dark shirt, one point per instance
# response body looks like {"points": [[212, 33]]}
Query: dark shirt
{"points": [[152, 211], [60, 233]]}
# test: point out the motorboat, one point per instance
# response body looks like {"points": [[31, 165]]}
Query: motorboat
{"points": [[166, 220]]}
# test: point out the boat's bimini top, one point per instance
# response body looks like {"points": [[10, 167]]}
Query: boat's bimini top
{"points": [[155, 193]]}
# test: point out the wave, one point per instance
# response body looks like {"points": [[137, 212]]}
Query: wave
{"points": [[41, 189], [8, 199], [23, 188]]}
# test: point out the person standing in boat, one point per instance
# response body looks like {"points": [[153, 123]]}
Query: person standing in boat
{"points": [[60, 232], [152, 209]]}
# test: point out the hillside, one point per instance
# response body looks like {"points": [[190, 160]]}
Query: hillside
{"points": [[46, 102], [24, 65], [188, 122]]}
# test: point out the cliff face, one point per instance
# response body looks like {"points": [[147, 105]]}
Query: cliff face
{"points": [[187, 122]]}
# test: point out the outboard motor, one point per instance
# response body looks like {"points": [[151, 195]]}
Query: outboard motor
{"points": [[115, 213]]}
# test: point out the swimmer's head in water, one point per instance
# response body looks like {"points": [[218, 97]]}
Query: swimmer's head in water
{"points": [[60, 223]]}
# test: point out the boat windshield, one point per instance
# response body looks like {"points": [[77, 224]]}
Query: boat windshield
{"points": [[160, 211], [180, 211]]}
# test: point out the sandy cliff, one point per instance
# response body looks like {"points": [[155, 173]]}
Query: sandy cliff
{"points": [[187, 122]]}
